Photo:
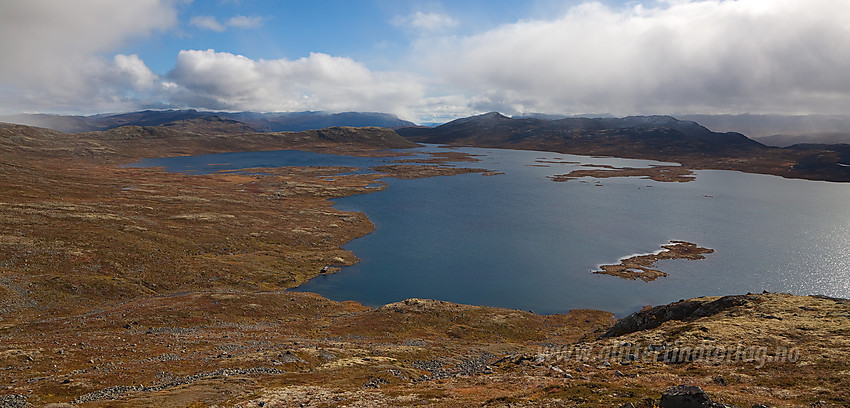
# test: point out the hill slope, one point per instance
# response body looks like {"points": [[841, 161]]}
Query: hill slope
{"points": [[785, 140], [136, 287], [195, 136], [662, 134], [642, 137], [263, 122], [758, 126]]}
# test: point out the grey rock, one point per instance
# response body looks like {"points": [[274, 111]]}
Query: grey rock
{"points": [[327, 355], [683, 310], [14, 401], [289, 357], [118, 391], [481, 364], [688, 396]]}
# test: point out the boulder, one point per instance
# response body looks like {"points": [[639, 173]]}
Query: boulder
{"points": [[688, 396], [683, 310]]}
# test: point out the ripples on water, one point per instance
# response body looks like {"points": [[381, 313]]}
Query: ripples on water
{"points": [[519, 240]]}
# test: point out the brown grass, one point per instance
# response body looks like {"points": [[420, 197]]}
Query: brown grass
{"points": [[125, 277]]}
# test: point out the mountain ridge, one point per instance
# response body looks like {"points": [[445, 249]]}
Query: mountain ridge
{"points": [[186, 137], [657, 137], [494, 128], [258, 121]]}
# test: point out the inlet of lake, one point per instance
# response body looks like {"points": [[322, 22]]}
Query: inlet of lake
{"points": [[520, 240]]}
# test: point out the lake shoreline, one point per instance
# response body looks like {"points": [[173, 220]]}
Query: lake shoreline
{"points": [[166, 290]]}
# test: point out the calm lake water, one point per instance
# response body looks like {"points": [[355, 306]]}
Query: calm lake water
{"points": [[520, 240]]}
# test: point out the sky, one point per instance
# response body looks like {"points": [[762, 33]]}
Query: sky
{"points": [[427, 61]]}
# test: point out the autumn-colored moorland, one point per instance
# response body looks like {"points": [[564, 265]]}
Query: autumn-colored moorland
{"points": [[128, 286]]}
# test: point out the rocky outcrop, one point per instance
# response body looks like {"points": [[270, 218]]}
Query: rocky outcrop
{"points": [[688, 396], [683, 310]]}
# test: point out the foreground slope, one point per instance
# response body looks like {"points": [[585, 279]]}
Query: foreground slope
{"points": [[286, 349], [137, 287]]}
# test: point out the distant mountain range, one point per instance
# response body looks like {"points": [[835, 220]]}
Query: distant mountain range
{"points": [[662, 138], [780, 130], [603, 135], [805, 138], [260, 122], [657, 137], [771, 130], [22, 144]]}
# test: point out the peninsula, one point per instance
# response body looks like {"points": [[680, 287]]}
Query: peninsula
{"points": [[136, 287]]}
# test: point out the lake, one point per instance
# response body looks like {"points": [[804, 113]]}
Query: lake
{"points": [[520, 240]]}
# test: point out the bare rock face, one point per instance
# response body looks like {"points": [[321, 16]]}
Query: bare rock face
{"points": [[684, 310], [688, 396]]}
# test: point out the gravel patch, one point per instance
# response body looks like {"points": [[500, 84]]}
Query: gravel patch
{"points": [[471, 366], [14, 401], [120, 390]]}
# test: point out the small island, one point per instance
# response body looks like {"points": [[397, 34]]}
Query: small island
{"points": [[443, 158], [640, 266], [411, 171], [667, 174]]}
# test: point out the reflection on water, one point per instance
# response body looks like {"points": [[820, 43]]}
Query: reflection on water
{"points": [[520, 240]]}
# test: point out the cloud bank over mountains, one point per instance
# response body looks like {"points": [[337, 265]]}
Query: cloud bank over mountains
{"points": [[53, 52], [673, 56], [702, 56], [224, 81]]}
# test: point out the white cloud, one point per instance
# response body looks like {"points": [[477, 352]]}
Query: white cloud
{"points": [[207, 22], [220, 80], [700, 56], [211, 23], [245, 22], [668, 56], [420, 21], [50, 51], [132, 69], [54, 61]]}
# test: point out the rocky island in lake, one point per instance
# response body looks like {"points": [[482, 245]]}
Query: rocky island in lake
{"points": [[641, 266], [412, 204]]}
